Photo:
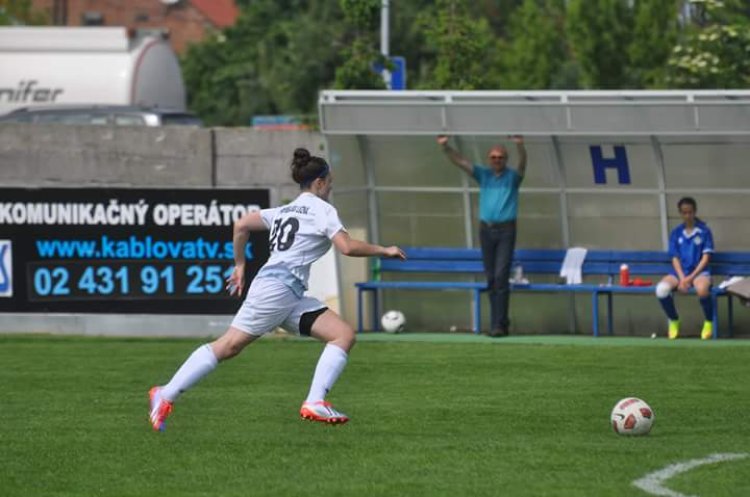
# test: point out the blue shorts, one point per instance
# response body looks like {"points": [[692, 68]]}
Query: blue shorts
{"points": [[702, 273]]}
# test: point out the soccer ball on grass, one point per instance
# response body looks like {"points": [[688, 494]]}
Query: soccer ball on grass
{"points": [[393, 321], [632, 416]]}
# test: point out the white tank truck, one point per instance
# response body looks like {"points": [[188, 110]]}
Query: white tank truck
{"points": [[43, 66]]}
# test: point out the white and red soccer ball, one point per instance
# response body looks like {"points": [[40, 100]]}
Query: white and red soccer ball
{"points": [[632, 416]]}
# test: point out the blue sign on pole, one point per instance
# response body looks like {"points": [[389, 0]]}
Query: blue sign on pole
{"points": [[398, 74]]}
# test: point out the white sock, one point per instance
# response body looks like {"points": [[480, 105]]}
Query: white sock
{"points": [[199, 364], [330, 365]]}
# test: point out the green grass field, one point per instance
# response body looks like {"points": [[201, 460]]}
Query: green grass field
{"points": [[433, 415]]}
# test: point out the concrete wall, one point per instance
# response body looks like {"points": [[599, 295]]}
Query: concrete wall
{"points": [[247, 158], [48, 155]]}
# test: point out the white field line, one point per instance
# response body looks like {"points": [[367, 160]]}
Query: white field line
{"points": [[652, 483]]}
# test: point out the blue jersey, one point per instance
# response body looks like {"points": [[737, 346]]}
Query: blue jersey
{"points": [[498, 195], [690, 248]]}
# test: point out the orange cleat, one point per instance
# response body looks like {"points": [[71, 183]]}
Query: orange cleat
{"points": [[160, 409], [322, 411]]}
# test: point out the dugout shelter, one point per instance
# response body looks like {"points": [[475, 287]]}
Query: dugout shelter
{"points": [[605, 171]]}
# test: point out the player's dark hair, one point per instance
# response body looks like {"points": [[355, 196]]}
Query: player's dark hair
{"points": [[307, 168], [688, 201]]}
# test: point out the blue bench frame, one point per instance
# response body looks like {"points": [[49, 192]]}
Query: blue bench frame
{"points": [[604, 263]]}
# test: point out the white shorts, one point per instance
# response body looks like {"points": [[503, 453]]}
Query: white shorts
{"points": [[271, 304]]}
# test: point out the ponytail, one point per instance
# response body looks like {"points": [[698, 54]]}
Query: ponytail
{"points": [[307, 168]]}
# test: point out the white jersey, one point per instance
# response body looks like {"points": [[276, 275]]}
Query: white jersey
{"points": [[301, 234]]}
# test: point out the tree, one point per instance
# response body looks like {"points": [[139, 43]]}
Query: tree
{"points": [[407, 38], [535, 56], [497, 12], [20, 12], [360, 54], [299, 54], [462, 47], [654, 36], [713, 51], [275, 59], [281, 53], [599, 32], [224, 84]]}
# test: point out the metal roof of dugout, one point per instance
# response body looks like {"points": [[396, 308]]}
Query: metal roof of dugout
{"points": [[633, 113]]}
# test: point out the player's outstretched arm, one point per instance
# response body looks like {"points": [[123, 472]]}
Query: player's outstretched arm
{"points": [[241, 234], [357, 248]]}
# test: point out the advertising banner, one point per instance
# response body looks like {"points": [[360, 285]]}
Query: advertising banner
{"points": [[106, 250]]}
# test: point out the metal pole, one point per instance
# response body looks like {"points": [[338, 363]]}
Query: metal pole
{"points": [[384, 49], [661, 177], [565, 226]]}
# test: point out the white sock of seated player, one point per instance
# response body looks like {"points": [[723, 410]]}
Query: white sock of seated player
{"points": [[201, 362], [330, 365]]}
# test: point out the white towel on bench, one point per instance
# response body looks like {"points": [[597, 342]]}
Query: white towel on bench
{"points": [[571, 266]]}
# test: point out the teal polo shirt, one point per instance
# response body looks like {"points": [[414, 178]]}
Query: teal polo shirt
{"points": [[498, 195]]}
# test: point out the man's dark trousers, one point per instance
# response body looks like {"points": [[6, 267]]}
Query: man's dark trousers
{"points": [[498, 241]]}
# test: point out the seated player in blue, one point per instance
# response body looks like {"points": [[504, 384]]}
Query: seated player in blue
{"points": [[690, 246]]}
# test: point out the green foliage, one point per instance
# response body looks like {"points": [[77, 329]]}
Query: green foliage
{"points": [[406, 37], [715, 51], [654, 35], [270, 62], [214, 76], [362, 15], [356, 72], [497, 12], [534, 56], [21, 12], [599, 32], [281, 53], [462, 47]]}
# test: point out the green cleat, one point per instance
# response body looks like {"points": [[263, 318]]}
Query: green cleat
{"points": [[674, 329]]}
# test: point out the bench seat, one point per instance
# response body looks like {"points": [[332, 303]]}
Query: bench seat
{"points": [[605, 264]]}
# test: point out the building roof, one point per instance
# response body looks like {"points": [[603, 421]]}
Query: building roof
{"points": [[222, 13]]}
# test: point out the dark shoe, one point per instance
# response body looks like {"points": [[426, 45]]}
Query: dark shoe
{"points": [[498, 332]]}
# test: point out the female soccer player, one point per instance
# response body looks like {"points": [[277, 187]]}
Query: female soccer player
{"points": [[301, 233], [690, 247]]}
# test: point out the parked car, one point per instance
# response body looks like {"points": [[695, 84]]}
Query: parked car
{"points": [[110, 115]]}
